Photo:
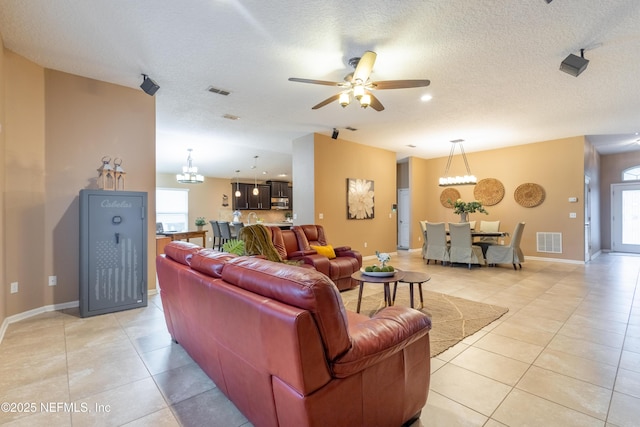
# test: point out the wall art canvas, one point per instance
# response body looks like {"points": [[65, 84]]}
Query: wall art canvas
{"points": [[360, 203]]}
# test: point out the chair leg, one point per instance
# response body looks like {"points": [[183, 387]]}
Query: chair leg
{"points": [[514, 267]]}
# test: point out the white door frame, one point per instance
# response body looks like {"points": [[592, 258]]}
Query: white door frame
{"points": [[404, 218], [587, 218]]}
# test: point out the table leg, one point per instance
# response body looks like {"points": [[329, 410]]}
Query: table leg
{"points": [[421, 298], [359, 297], [387, 295], [411, 295], [395, 287]]}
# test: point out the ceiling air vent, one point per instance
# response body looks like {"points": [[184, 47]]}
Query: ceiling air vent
{"points": [[218, 91], [231, 117], [351, 129]]}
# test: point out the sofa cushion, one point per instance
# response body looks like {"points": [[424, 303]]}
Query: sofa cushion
{"points": [[181, 252], [326, 250], [210, 262], [299, 287]]}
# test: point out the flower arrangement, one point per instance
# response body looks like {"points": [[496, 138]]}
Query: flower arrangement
{"points": [[200, 221], [460, 207], [383, 257]]}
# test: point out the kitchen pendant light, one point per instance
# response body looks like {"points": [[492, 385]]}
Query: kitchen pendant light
{"points": [[255, 176], [238, 193]]}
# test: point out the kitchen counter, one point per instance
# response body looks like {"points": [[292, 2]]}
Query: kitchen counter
{"points": [[283, 225]]}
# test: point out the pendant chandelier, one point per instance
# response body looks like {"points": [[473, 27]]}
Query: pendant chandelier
{"points": [[467, 179], [189, 173], [238, 193], [255, 176]]}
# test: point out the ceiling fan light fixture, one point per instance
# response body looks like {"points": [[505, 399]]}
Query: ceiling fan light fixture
{"points": [[344, 99], [358, 92], [365, 100]]}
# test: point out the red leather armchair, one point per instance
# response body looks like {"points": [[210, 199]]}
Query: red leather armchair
{"points": [[340, 268]]}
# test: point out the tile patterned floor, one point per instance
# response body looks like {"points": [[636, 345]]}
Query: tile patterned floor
{"points": [[566, 354]]}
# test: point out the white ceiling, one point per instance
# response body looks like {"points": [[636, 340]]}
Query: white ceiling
{"points": [[493, 66]]}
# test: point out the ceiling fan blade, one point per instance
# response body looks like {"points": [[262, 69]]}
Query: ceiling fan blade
{"points": [[399, 84], [375, 103], [364, 67], [326, 101], [315, 82]]}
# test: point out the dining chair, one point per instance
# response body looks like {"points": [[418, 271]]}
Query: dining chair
{"points": [[235, 229], [512, 254], [225, 232], [217, 237], [462, 250], [423, 227], [437, 248], [489, 226]]}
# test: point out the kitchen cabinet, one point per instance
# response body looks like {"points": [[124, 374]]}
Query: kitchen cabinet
{"points": [[247, 200], [279, 188]]}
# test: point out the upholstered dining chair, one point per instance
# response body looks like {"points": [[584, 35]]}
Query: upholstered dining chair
{"points": [[225, 232], [489, 226], [512, 254], [217, 237], [462, 250], [423, 228], [437, 248]]}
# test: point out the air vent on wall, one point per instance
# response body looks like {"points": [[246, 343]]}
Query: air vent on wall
{"points": [[549, 242], [218, 91]]}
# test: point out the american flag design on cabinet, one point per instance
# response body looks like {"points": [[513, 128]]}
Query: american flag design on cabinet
{"points": [[113, 251]]}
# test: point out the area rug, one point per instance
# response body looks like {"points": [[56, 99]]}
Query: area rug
{"points": [[452, 318]]}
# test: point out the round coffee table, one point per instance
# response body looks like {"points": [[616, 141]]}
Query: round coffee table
{"points": [[412, 277], [362, 278]]}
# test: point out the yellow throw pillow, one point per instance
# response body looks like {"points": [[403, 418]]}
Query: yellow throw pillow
{"points": [[325, 250]]}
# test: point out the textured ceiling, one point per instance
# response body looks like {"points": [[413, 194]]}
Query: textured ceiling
{"points": [[493, 66]]}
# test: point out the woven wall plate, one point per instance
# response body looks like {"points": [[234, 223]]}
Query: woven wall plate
{"points": [[529, 195], [449, 194], [488, 191]]}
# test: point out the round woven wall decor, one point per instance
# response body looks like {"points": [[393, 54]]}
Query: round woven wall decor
{"points": [[488, 191], [529, 195], [449, 194]]}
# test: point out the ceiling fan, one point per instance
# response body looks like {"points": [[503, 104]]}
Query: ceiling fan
{"points": [[358, 84]]}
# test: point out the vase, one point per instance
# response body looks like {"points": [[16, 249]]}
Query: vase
{"points": [[464, 217], [199, 227]]}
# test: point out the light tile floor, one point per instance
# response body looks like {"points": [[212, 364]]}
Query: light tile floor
{"points": [[566, 354]]}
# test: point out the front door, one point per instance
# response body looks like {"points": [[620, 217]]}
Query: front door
{"points": [[625, 217]]}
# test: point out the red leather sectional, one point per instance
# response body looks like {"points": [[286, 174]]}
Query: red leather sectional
{"points": [[278, 342]]}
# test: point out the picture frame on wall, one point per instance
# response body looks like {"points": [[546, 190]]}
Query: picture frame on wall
{"points": [[360, 199]]}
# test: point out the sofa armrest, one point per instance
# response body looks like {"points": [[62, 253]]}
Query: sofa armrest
{"points": [[341, 249], [387, 332], [319, 262], [300, 254]]}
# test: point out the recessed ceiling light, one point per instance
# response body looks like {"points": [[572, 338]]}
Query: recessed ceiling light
{"points": [[426, 97]]}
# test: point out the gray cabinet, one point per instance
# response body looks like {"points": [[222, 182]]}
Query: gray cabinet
{"points": [[113, 251]]}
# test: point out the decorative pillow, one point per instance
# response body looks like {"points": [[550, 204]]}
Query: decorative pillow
{"points": [[325, 250]]}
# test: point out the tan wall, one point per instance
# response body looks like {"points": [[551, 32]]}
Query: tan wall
{"points": [[4, 289], [335, 161], [57, 128], [558, 166], [612, 166]]}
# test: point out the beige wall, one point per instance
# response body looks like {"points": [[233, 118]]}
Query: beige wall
{"points": [[335, 161], [558, 166], [4, 290], [56, 128], [612, 166]]}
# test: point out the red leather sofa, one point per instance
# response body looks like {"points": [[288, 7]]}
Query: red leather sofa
{"points": [[295, 244], [278, 342]]}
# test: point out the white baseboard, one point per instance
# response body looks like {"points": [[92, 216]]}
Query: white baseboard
{"points": [[30, 313]]}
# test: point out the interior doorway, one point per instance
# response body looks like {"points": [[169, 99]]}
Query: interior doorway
{"points": [[404, 218], [625, 217]]}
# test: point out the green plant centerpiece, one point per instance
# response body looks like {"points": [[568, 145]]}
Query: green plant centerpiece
{"points": [[465, 208], [200, 221], [384, 258]]}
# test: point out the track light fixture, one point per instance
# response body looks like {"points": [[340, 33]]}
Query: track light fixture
{"points": [[574, 65], [149, 86]]}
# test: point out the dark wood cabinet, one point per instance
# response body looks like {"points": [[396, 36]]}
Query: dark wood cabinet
{"points": [[279, 188], [248, 200]]}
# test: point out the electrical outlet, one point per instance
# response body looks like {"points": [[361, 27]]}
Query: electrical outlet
{"points": [[320, 216], [572, 215], [14, 287], [53, 280], [365, 244]]}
